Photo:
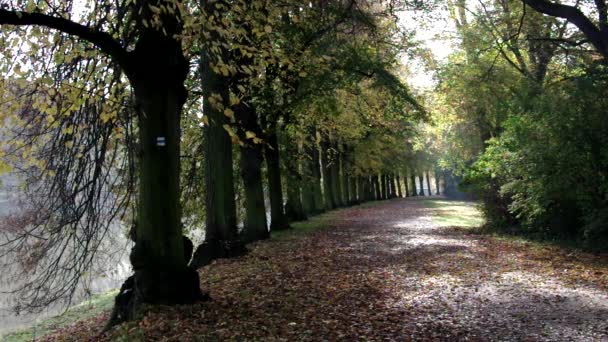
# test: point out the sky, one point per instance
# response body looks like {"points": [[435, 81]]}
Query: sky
{"points": [[434, 32]]}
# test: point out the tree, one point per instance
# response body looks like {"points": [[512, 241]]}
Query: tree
{"points": [[156, 69]]}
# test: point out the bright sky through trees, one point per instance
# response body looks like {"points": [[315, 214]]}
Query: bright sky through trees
{"points": [[436, 33]]}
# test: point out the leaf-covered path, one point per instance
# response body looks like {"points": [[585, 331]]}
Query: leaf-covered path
{"points": [[394, 270]]}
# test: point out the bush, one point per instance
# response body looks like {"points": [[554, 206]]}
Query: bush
{"points": [[548, 170]]}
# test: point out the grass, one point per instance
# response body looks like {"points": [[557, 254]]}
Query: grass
{"points": [[455, 213], [92, 307], [452, 213], [313, 223]]}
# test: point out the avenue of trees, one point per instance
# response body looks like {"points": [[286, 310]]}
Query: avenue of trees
{"points": [[173, 117], [230, 119]]}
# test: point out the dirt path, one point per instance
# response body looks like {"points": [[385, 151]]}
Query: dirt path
{"points": [[392, 271]]}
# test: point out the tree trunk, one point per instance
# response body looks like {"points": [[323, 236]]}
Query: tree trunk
{"points": [[327, 176], [406, 182], [361, 190], [377, 188], [335, 175], [383, 185], [345, 179], [354, 200], [399, 191], [421, 178], [221, 233], [318, 204], [255, 225], [437, 182], [428, 183], [159, 257], [371, 191], [294, 209], [414, 193], [278, 220]]}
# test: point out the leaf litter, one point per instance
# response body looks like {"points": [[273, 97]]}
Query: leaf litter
{"points": [[385, 272]]}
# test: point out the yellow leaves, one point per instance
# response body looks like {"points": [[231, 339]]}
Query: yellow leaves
{"points": [[154, 9], [68, 130], [69, 144], [51, 110], [234, 100], [303, 74], [4, 168], [229, 113], [216, 101], [267, 29], [233, 136], [253, 137], [107, 116], [224, 70]]}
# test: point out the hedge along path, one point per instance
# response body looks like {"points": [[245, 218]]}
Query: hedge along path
{"points": [[391, 270]]}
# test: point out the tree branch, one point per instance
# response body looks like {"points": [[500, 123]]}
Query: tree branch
{"points": [[602, 11], [575, 16], [101, 40]]}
